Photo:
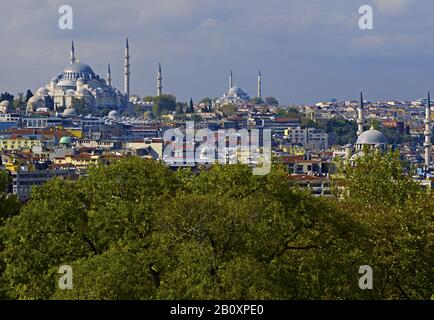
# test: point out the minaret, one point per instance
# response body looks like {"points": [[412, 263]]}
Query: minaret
{"points": [[159, 81], [127, 73], [109, 76], [72, 53], [360, 116], [260, 85], [231, 83], [428, 133]]}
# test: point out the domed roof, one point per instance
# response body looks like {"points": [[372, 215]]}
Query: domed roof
{"points": [[70, 112], [42, 89], [113, 114], [65, 140], [66, 83], [36, 99], [5, 103], [372, 137], [78, 67], [70, 92]]}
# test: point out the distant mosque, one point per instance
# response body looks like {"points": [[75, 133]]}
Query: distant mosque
{"points": [[373, 139], [236, 95], [79, 81]]}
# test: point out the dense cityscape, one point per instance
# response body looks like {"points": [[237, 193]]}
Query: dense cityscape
{"points": [[79, 119]]}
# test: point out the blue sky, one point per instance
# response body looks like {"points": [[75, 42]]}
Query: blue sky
{"points": [[308, 50]]}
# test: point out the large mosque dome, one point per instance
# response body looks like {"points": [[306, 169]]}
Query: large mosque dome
{"points": [[372, 137], [78, 70]]}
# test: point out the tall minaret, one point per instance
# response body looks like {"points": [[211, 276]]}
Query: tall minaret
{"points": [[360, 116], [159, 81], [127, 73], [231, 83], [109, 76], [428, 133], [259, 85], [72, 52]]}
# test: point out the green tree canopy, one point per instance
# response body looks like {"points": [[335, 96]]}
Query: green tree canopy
{"points": [[137, 230], [29, 94], [7, 96], [271, 101]]}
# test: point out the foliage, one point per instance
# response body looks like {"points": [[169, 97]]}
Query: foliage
{"points": [[257, 101], [289, 113], [228, 109], [7, 96], [207, 101], [137, 230], [29, 94], [398, 216], [271, 101], [9, 204], [164, 104]]}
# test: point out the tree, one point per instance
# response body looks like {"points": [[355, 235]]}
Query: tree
{"points": [[207, 101], [29, 94], [229, 109], [148, 99], [180, 107], [257, 101], [137, 230], [271, 101], [80, 106], [164, 104], [397, 215], [290, 113], [7, 96], [9, 204], [191, 106]]}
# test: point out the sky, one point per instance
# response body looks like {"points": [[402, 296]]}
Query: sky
{"points": [[308, 51]]}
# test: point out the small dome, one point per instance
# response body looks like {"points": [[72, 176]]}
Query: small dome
{"points": [[5, 103], [65, 140], [42, 91], [66, 83], [70, 92], [113, 114], [36, 99], [372, 137], [70, 112]]}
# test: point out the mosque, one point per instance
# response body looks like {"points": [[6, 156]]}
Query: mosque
{"points": [[79, 81], [371, 139], [236, 95]]}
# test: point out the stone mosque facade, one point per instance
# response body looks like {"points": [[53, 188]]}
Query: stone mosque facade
{"points": [[78, 81]]}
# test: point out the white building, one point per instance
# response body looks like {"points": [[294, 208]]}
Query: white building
{"points": [[311, 138]]}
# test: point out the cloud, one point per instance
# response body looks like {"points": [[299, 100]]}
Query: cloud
{"points": [[393, 6], [198, 41]]}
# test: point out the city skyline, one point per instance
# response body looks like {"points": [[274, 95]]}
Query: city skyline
{"points": [[307, 52]]}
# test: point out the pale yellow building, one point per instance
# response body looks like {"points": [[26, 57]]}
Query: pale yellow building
{"points": [[12, 144]]}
